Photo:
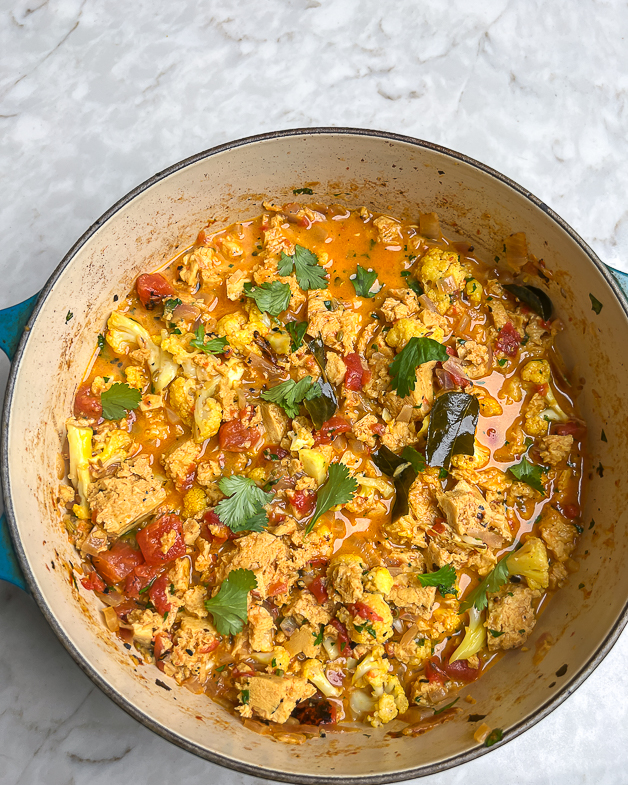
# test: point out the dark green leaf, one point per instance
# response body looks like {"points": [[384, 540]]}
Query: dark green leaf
{"points": [[101, 342], [596, 305], [297, 332], [309, 273], [444, 580], [339, 488], [214, 345], [243, 510], [69, 315], [412, 283], [118, 400], [290, 394], [324, 407], [415, 458], [307, 191], [272, 298], [451, 430], [496, 633], [416, 352], [536, 299], [603, 436], [529, 473], [498, 576], [228, 607], [318, 637], [363, 281], [493, 737], [402, 473]]}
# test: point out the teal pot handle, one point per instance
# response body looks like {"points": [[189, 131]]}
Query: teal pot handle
{"points": [[12, 323]]}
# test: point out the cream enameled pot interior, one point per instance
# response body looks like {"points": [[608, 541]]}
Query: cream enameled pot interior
{"points": [[228, 184]]}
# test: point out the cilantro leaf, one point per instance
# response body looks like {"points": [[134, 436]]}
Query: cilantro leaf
{"points": [[529, 473], [498, 576], [416, 352], [273, 298], [297, 332], [228, 607], [310, 275], [497, 734], [169, 305], [307, 191], [596, 305], [415, 458], [118, 400], [290, 394], [243, 510], [212, 346], [444, 580], [363, 281], [339, 488]]}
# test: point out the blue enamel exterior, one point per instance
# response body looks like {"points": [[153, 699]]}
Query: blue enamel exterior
{"points": [[12, 323], [621, 278]]}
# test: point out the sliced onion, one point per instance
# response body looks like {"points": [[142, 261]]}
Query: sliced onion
{"points": [[516, 250], [112, 598], [464, 323], [409, 635], [406, 413], [398, 625], [429, 226], [241, 398], [266, 368], [361, 702], [257, 727], [445, 379], [446, 285], [427, 303], [111, 619], [454, 367], [187, 312], [284, 484], [340, 443], [193, 685], [288, 626], [335, 677], [355, 445]]}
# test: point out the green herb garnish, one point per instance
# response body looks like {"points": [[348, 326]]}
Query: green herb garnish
{"points": [[118, 400], [290, 394], [416, 352], [339, 488], [272, 298], [215, 345], [363, 281], [228, 607], [309, 273], [243, 510]]}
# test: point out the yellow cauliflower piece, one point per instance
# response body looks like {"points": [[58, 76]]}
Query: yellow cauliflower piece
{"points": [[136, 377], [182, 396], [240, 329], [207, 416], [391, 698], [367, 631], [437, 265], [535, 424], [399, 335], [489, 406], [194, 502], [474, 291], [379, 580], [536, 371], [280, 660]]}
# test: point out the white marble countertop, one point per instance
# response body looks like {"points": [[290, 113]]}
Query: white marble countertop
{"points": [[97, 96]]}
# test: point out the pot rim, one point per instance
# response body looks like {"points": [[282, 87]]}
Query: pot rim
{"points": [[167, 733]]}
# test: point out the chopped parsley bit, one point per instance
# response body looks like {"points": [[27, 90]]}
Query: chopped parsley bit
{"points": [[118, 400], [579, 528], [308, 271], [271, 298], [416, 352], [101, 341], [596, 305], [244, 696], [318, 637], [603, 436], [444, 579], [581, 585], [495, 633], [69, 316], [493, 737], [362, 281], [600, 469], [327, 304], [307, 191], [215, 345], [340, 488], [290, 394], [228, 607], [502, 362], [243, 509], [592, 524], [221, 668], [497, 258], [442, 474]]}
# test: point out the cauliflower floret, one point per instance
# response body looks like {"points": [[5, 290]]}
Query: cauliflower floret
{"points": [[436, 266], [536, 371], [280, 660], [531, 562], [473, 290], [535, 424], [370, 620], [301, 435], [390, 695], [240, 329], [379, 580], [80, 447], [194, 503], [207, 415], [399, 335], [555, 448], [181, 396], [313, 671], [117, 447], [136, 377]]}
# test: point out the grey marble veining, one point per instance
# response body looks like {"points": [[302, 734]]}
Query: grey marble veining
{"points": [[97, 96]]}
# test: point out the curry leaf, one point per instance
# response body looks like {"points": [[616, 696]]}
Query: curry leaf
{"points": [[451, 431], [529, 473], [297, 332], [324, 407], [402, 473], [536, 299], [596, 305], [416, 352], [363, 281]]}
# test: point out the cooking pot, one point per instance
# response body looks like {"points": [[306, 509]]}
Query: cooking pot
{"points": [[161, 217]]}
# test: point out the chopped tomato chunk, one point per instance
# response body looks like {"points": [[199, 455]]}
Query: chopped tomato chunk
{"points": [[571, 428], [159, 594], [236, 437], [93, 582], [162, 541], [343, 636], [362, 610], [152, 288], [508, 340], [330, 429], [277, 588], [317, 587], [141, 577], [356, 376], [218, 532], [571, 511], [86, 404], [304, 502], [434, 671], [115, 564], [461, 671]]}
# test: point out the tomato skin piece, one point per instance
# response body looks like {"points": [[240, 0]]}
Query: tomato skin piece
{"points": [[571, 511], [277, 588], [330, 429], [317, 587], [571, 428], [460, 670], [219, 532], [434, 672], [508, 340], [159, 594], [355, 377], [115, 564], [233, 436], [149, 540], [304, 502], [152, 288], [343, 635], [93, 582], [275, 450], [86, 404], [362, 610], [137, 580], [125, 608]]}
